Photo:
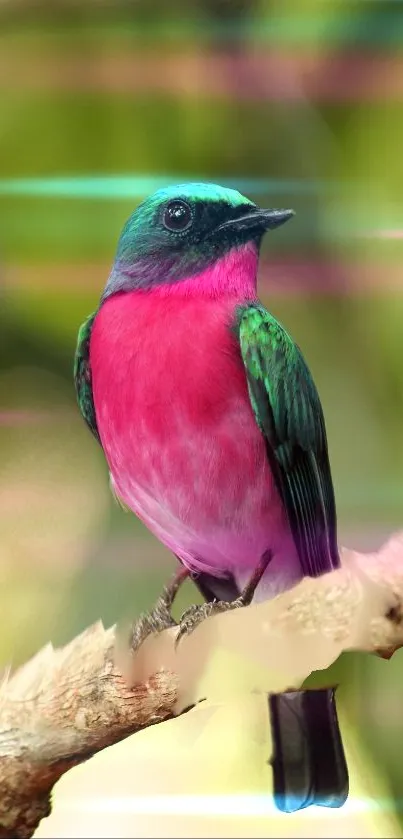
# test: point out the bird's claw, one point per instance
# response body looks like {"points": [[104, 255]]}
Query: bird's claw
{"points": [[195, 615], [159, 617]]}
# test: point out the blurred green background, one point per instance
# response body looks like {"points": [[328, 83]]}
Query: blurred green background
{"points": [[297, 104]]}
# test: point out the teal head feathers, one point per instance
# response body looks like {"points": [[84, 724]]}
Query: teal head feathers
{"points": [[180, 231]]}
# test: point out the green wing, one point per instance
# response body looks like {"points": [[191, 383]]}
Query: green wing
{"points": [[289, 414], [82, 376]]}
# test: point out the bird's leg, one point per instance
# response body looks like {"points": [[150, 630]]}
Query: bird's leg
{"points": [[159, 617], [196, 614]]}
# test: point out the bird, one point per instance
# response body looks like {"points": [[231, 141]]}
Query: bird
{"points": [[214, 433]]}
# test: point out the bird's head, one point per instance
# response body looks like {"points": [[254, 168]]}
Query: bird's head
{"points": [[185, 234]]}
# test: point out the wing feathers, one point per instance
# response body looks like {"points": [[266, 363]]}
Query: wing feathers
{"points": [[82, 376], [288, 412]]}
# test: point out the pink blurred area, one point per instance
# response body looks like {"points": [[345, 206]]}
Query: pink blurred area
{"points": [[311, 74]]}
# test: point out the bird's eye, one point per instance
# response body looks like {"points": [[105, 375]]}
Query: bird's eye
{"points": [[177, 216]]}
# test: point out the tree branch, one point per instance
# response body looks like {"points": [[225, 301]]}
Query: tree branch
{"points": [[66, 704]]}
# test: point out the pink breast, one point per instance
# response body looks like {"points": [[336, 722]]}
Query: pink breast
{"points": [[176, 424]]}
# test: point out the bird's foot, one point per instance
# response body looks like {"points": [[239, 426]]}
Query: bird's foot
{"points": [[195, 615], [159, 617]]}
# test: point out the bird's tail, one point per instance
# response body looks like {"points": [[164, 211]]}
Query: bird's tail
{"points": [[309, 766]]}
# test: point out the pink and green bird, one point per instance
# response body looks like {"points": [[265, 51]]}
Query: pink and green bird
{"points": [[214, 433]]}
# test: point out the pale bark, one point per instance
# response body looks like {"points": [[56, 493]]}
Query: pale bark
{"points": [[66, 704]]}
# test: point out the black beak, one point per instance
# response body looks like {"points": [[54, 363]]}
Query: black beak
{"points": [[258, 221]]}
